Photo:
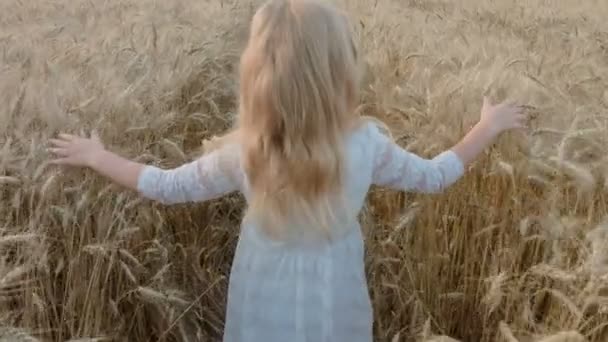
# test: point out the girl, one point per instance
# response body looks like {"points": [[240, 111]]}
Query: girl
{"points": [[304, 162]]}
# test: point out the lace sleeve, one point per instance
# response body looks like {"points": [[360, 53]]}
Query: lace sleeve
{"points": [[211, 176], [399, 169]]}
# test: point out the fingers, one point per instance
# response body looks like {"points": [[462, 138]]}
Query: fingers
{"points": [[60, 161], [59, 147], [59, 151], [59, 143], [95, 136], [517, 110], [512, 109], [70, 137], [67, 137], [520, 121], [66, 147]]}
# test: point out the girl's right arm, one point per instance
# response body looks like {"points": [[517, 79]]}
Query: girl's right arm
{"points": [[396, 168], [494, 121], [215, 174]]}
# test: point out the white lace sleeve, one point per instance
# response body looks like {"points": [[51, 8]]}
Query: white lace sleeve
{"points": [[211, 176], [399, 169]]}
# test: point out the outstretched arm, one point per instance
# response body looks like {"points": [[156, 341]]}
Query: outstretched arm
{"points": [[495, 119], [121, 171], [396, 168], [210, 176]]}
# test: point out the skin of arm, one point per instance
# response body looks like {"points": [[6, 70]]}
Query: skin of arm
{"points": [[474, 142], [120, 170]]}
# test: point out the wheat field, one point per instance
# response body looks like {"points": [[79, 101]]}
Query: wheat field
{"points": [[515, 251]]}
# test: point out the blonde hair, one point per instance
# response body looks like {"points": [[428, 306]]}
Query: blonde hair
{"points": [[298, 94]]}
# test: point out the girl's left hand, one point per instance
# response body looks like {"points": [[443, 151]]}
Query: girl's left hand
{"points": [[501, 117], [76, 151]]}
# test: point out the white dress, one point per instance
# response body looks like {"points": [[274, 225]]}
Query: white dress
{"points": [[280, 292]]}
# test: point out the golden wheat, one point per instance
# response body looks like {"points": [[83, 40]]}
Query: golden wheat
{"points": [[515, 251]]}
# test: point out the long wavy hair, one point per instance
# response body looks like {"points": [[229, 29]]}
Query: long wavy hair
{"points": [[299, 78]]}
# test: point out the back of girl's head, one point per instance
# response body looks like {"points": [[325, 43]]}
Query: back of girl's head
{"points": [[298, 92]]}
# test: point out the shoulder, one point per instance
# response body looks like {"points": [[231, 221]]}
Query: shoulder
{"points": [[368, 141], [221, 154], [372, 131], [229, 141], [225, 149]]}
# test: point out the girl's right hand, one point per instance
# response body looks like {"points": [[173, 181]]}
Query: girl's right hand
{"points": [[501, 117], [76, 151]]}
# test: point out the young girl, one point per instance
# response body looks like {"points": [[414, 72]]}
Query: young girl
{"points": [[304, 162]]}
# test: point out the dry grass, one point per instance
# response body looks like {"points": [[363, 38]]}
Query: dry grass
{"points": [[517, 251]]}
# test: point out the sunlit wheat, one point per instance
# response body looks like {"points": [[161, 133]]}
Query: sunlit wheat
{"points": [[516, 251]]}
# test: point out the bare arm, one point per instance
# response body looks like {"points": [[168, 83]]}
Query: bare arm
{"points": [[120, 170], [476, 141]]}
